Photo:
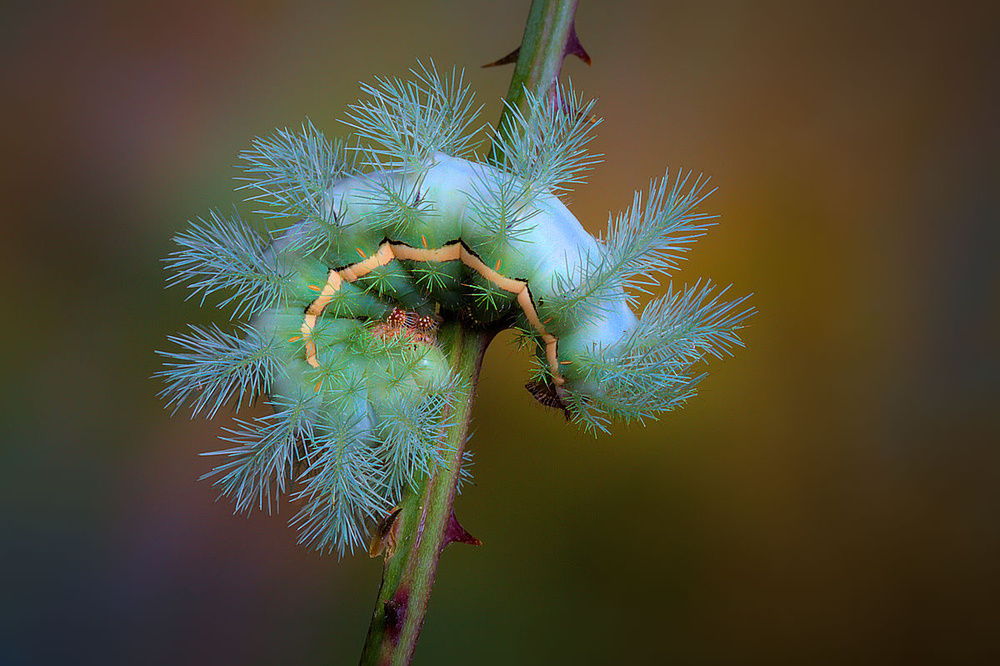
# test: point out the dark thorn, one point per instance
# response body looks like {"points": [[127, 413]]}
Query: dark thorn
{"points": [[455, 533], [384, 538], [506, 60], [574, 47]]}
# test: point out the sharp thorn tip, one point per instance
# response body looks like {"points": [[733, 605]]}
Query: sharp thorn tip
{"points": [[506, 60]]}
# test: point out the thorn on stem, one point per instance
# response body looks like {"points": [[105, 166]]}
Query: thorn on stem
{"points": [[574, 47], [455, 533], [385, 535], [506, 60]]}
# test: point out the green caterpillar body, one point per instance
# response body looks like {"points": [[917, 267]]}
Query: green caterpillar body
{"points": [[346, 300], [371, 266]]}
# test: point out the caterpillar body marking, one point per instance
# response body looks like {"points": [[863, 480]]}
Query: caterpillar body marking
{"points": [[551, 243], [409, 325], [454, 251]]}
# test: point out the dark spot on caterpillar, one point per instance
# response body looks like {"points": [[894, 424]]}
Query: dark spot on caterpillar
{"points": [[546, 395], [508, 320], [469, 317], [409, 324]]}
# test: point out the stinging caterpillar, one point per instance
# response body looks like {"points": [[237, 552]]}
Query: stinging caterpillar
{"points": [[385, 239]]}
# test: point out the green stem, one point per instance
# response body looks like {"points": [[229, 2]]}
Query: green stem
{"points": [[426, 523], [549, 37]]}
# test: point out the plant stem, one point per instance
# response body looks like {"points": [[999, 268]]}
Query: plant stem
{"points": [[425, 522], [549, 37]]}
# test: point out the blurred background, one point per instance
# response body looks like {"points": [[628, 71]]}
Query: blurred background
{"points": [[832, 495]]}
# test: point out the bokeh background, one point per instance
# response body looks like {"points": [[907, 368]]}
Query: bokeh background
{"points": [[831, 497]]}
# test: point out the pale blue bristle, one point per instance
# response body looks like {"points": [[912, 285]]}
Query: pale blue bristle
{"points": [[547, 145], [212, 368], [225, 254]]}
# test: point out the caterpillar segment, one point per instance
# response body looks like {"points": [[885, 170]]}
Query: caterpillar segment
{"points": [[454, 251]]}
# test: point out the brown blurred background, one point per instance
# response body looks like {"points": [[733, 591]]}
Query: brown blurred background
{"points": [[831, 497]]}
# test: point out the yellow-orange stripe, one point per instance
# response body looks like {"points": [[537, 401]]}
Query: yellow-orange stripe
{"points": [[388, 251]]}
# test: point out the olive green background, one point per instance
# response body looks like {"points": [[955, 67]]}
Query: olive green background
{"points": [[832, 495]]}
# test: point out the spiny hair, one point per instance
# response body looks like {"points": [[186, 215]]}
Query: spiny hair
{"points": [[649, 372], [214, 367], [406, 122], [227, 254], [546, 145], [648, 238]]}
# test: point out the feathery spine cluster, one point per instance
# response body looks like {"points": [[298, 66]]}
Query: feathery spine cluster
{"points": [[378, 239]]}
